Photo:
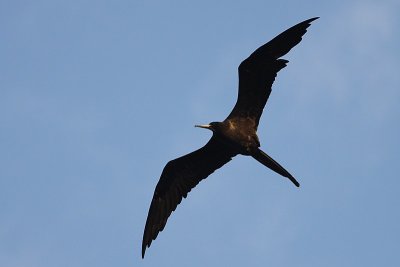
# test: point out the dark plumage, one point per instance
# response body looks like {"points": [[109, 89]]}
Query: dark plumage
{"points": [[235, 135]]}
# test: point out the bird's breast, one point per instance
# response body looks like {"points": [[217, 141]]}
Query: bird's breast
{"points": [[241, 137]]}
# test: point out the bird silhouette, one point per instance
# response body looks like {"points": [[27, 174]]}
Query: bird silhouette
{"points": [[237, 134]]}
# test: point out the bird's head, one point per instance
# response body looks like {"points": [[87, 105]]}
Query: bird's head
{"points": [[213, 126]]}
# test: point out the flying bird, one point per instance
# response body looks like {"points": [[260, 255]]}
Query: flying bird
{"points": [[237, 134]]}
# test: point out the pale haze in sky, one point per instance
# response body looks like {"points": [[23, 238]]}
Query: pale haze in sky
{"points": [[97, 96]]}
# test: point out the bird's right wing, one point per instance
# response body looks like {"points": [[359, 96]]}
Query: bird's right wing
{"points": [[257, 73], [177, 179]]}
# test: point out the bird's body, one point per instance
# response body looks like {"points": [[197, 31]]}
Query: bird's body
{"points": [[237, 134]]}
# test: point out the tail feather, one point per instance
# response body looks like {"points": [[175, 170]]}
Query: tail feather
{"points": [[269, 162]]}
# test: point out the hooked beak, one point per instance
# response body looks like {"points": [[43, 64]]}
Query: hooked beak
{"points": [[205, 126]]}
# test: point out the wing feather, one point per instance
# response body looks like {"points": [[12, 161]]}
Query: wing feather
{"points": [[177, 180], [258, 72]]}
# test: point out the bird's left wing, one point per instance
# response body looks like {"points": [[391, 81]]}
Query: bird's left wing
{"points": [[258, 72], [177, 179]]}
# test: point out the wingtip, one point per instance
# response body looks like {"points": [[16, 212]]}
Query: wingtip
{"points": [[144, 246], [308, 21], [143, 252], [312, 19]]}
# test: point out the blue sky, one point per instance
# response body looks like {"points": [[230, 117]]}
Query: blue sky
{"points": [[96, 97]]}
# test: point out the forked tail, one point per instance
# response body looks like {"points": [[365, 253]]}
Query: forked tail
{"points": [[266, 160]]}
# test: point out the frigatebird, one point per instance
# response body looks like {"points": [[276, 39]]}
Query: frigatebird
{"points": [[237, 134]]}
